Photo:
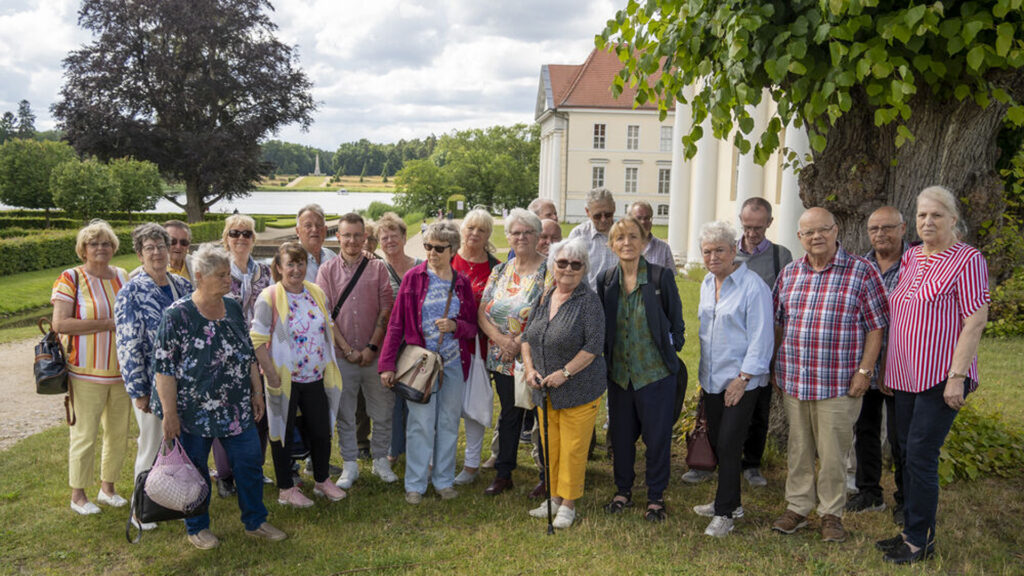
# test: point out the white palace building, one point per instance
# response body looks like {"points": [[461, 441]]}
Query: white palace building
{"points": [[590, 139]]}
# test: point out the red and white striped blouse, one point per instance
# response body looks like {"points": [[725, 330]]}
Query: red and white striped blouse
{"points": [[927, 310]]}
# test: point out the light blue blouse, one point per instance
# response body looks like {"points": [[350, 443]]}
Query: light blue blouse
{"points": [[737, 332]]}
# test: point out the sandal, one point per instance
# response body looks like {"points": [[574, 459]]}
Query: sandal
{"points": [[615, 506], [656, 511]]}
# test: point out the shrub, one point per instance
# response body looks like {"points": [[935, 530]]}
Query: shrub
{"points": [[412, 219], [47, 250], [377, 209], [85, 189], [980, 444], [1006, 313]]}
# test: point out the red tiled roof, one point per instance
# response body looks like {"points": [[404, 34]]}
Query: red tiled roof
{"points": [[589, 85]]}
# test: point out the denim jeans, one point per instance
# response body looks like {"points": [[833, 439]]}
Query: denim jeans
{"points": [[244, 453], [923, 421], [432, 433]]}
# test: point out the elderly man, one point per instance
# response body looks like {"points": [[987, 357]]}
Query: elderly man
{"points": [[601, 213], [550, 233], [830, 312], [886, 230], [656, 250], [360, 296], [544, 209], [311, 226]]}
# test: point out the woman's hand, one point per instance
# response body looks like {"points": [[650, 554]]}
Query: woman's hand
{"points": [[445, 325], [142, 403], [954, 393], [171, 425], [734, 392], [533, 379], [273, 380], [554, 380], [387, 379], [510, 348], [258, 407]]}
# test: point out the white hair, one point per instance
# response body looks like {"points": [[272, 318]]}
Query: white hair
{"points": [[524, 217], [574, 249], [718, 233]]}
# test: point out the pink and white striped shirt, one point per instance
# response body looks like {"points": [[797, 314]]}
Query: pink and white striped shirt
{"points": [[927, 310]]}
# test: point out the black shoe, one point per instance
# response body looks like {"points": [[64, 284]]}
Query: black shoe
{"points": [[616, 506], [364, 454], [226, 488], [864, 502], [889, 544], [903, 554], [897, 514]]}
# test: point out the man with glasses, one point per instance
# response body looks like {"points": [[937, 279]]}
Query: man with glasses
{"points": [[886, 230], [601, 214], [656, 250], [360, 321], [830, 313], [311, 226]]}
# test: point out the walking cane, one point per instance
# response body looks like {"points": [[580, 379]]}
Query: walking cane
{"points": [[546, 453]]}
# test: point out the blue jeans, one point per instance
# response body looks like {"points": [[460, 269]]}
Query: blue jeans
{"points": [[245, 454], [922, 422], [432, 433]]}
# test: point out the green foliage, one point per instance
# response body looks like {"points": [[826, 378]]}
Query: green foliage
{"points": [[25, 167], [816, 58], [84, 189], [289, 158], [423, 186], [377, 209], [352, 157], [47, 250], [1006, 312], [980, 444], [452, 205], [138, 183]]}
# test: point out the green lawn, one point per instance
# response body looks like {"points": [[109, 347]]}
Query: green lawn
{"points": [[30, 290]]}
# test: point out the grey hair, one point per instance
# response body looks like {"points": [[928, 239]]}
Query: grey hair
{"points": [[149, 231], [599, 195], [642, 204], [573, 249], [180, 225], [537, 203], [524, 217], [315, 209], [718, 233], [444, 231], [208, 258], [943, 196]]}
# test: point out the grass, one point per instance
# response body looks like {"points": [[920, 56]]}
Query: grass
{"points": [[981, 523], [31, 290]]}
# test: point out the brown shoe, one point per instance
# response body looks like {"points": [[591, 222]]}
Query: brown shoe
{"points": [[789, 522], [498, 486], [538, 490], [204, 540], [267, 531], [832, 529]]}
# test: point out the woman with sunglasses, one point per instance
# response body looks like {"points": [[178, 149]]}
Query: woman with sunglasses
{"points": [[435, 309], [562, 353]]}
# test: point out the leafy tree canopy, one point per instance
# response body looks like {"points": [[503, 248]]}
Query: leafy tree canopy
{"points": [[139, 185], [26, 120], [25, 167], [85, 189]]}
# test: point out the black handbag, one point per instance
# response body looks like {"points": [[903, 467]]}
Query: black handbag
{"points": [[51, 364], [145, 510]]}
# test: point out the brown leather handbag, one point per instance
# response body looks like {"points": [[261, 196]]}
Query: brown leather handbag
{"points": [[699, 454]]}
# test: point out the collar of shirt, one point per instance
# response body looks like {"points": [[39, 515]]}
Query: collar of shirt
{"points": [[591, 231], [871, 257], [763, 246], [345, 263], [839, 260]]}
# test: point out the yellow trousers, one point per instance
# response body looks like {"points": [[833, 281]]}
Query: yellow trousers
{"points": [[568, 433], [98, 404]]}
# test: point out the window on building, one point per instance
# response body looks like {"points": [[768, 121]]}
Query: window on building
{"points": [[662, 209], [599, 136], [631, 177], [597, 177], [632, 137], [666, 139], [664, 178]]}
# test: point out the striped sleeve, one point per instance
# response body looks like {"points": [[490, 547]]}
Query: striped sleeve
{"points": [[972, 286], [64, 288]]}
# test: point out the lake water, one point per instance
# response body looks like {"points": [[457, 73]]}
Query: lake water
{"points": [[290, 202]]}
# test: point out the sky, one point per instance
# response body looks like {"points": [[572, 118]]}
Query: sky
{"points": [[381, 69]]}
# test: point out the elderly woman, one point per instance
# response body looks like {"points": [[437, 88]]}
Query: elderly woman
{"points": [[209, 387], [938, 312], [475, 260], [562, 354], [512, 292], [83, 313], [294, 340], [248, 279], [137, 312], [435, 309], [391, 231], [643, 333], [736, 345]]}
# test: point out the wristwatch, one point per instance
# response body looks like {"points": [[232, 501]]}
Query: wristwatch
{"points": [[373, 348], [744, 377], [566, 373], [955, 374], [864, 372]]}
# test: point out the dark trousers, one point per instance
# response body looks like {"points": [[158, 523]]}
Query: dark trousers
{"points": [[922, 422], [867, 444], [309, 397], [398, 419], [757, 436], [220, 455], [510, 423], [728, 427], [646, 413]]}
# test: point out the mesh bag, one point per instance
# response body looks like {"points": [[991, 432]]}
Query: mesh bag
{"points": [[174, 482]]}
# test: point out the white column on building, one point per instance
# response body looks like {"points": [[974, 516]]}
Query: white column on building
{"points": [[542, 177], [790, 206], [556, 164], [704, 190], [749, 174], [679, 179]]}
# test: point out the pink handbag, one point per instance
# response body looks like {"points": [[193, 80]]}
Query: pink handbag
{"points": [[174, 482]]}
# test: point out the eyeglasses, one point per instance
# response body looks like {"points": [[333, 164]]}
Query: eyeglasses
{"points": [[520, 234], [247, 234], [184, 242], [439, 248], [603, 215], [815, 231], [872, 230], [153, 248], [576, 265], [95, 245]]}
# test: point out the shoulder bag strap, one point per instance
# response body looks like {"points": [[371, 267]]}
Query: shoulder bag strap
{"points": [[393, 274], [348, 289], [440, 336]]}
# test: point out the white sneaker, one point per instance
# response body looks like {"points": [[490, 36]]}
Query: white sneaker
{"points": [[382, 469], [719, 527], [114, 500], [708, 510], [349, 474], [144, 526], [542, 510], [85, 509], [564, 518], [464, 477]]}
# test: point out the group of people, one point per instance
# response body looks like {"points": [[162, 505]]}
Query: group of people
{"points": [[228, 354]]}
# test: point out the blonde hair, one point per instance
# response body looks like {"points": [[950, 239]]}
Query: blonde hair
{"points": [[480, 217], [391, 221], [239, 221], [619, 228], [95, 230], [943, 196]]}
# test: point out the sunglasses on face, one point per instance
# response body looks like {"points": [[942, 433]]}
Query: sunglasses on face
{"points": [[576, 265], [439, 248], [247, 234], [185, 242]]}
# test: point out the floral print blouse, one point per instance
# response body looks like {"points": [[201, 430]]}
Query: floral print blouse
{"points": [[508, 301]]}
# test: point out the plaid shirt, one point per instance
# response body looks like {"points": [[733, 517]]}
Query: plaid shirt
{"points": [[825, 316]]}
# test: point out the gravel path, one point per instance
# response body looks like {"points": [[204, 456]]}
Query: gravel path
{"points": [[23, 412]]}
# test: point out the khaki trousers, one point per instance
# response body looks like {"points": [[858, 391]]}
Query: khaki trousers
{"points": [[106, 405]]}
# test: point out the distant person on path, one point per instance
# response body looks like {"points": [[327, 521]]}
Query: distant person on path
{"points": [[311, 226], [656, 250], [601, 213], [83, 300]]}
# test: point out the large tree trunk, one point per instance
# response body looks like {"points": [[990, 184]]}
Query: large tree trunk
{"points": [[194, 207]]}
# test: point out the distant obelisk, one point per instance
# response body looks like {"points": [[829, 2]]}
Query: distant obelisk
{"points": [[316, 170]]}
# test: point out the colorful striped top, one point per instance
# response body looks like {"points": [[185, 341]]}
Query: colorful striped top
{"points": [[91, 357], [928, 307]]}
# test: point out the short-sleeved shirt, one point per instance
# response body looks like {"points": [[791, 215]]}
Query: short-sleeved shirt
{"points": [[929, 305], [635, 358], [477, 273], [433, 310], [825, 316], [309, 337], [91, 357], [508, 301], [211, 361], [371, 295]]}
